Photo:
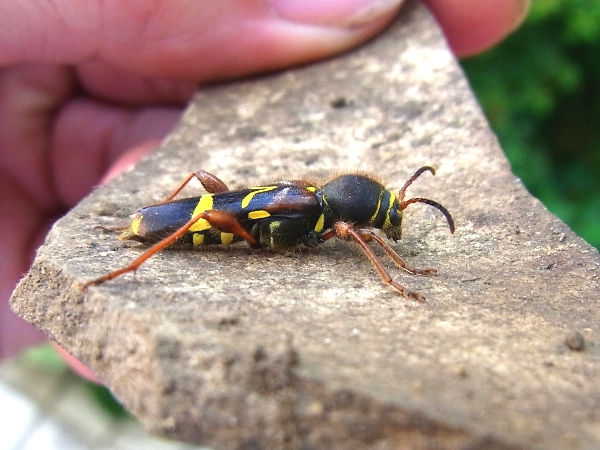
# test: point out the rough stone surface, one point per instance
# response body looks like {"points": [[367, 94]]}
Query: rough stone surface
{"points": [[240, 349]]}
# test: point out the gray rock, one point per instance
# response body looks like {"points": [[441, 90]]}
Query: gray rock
{"points": [[240, 349]]}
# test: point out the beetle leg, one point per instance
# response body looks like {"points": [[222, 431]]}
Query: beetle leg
{"points": [[210, 182], [345, 231], [368, 236], [111, 229], [326, 236], [217, 219]]}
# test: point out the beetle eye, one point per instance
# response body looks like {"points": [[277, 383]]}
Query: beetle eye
{"points": [[395, 217]]}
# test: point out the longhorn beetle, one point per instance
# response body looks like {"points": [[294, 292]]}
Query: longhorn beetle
{"points": [[282, 216]]}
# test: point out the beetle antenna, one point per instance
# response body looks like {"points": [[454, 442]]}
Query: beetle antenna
{"points": [[411, 179], [443, 210], [404, 204]]}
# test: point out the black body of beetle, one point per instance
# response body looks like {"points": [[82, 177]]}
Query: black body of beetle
{"points": [[281, 215]]}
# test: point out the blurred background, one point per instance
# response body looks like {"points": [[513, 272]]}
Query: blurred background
{"points": [[540, 90]]}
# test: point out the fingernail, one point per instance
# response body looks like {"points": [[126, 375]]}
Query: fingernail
{"points": [[336, 13], [519, 18]]}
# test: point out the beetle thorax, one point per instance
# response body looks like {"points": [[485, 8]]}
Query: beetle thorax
{"points": [[363, 201]]}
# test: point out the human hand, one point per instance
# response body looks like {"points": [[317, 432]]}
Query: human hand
{"points": [[472, 26], [88, 88]]}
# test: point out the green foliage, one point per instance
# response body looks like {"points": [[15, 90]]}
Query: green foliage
{"points": [[540, 90], [106, 400], [44, 359]]}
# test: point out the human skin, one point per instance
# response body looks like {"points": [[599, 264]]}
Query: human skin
{"points": [[88, 87]]}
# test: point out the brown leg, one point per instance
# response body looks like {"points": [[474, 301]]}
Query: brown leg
{"points": [[217, 219], [111, 229], [368, 236], [210, 182], [345, 231]]}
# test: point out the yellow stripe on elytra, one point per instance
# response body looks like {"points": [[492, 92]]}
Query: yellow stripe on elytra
{"points": [[135, 226], [258, 214], [387, 222], [198, 239], [258, 189], [205, 203]]}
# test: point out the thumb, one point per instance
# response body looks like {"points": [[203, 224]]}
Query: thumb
{"points": [[180, 39]]}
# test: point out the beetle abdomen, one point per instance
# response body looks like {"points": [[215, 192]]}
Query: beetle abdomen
{"points": [[153, 223]]}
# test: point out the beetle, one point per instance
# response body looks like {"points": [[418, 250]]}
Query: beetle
{"points": [[282, 216]]}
